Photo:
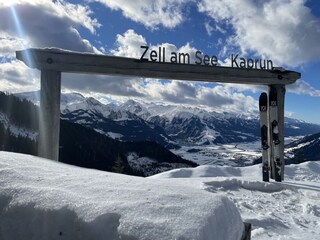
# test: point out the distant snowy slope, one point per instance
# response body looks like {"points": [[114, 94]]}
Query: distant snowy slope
{"points": [[16, 130], [65, 100], [170, 125], [42, 199], [304, 149], [31, 96], [287, 210]]}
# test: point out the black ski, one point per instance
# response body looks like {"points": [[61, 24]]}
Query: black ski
{"points": [[274, 135], [263, 107]]}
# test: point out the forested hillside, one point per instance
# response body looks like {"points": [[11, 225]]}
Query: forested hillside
{"points": [[79, 145]]}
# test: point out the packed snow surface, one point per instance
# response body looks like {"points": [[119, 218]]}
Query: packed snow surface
{"points": [[286, 210], [43, 199]]}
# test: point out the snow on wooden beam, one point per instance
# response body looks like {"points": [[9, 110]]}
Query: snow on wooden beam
{"points": [[67, 61]]}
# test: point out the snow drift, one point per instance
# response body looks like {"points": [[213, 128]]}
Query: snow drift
{"points": [[42, 199], [287, 210]]}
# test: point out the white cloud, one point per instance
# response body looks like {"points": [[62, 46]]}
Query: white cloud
{"points": [[176, 92], [218, 98], [208, 28], [128, 44], [110, 85], [285, 31], [246, 87], [211, 29], [42, 23], [225, 99], [78, 14], [289, 114], [38, 23], [152, 14], [17, 77], [303, 88], [9, 44]]}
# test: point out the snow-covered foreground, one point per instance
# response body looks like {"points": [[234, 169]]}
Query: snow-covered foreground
{"points": [[43, 199], [287, 210], [49, 200]]}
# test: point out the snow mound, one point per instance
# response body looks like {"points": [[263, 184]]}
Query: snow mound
{"points": [[43, 199], [207, 171], [236, 184], [307, 171], [286, 210]]}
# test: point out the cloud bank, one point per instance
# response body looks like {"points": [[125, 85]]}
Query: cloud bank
{"points": [[39, 23], [285, 31], [152, 14], [43, 23]]}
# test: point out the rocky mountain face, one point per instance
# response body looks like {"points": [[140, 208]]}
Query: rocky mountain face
{"points": [[304, 149], [171, 126]]}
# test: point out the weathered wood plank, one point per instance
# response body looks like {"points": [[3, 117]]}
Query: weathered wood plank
{"points": [[49, 119], [66, 61]]}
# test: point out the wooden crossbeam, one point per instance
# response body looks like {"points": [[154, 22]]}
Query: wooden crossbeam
{"points": [[67, 61]]}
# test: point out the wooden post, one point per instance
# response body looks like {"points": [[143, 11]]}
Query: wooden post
{"points": [[247, 231], [49, 122]]}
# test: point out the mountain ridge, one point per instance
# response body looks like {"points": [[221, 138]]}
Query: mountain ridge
{"points": [[192, 133], [170, 125], [304, 149]]}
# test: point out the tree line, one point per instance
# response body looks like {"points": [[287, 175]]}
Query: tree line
{"points": [[79, 145]]}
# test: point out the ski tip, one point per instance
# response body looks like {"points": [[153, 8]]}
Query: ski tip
{"points": [[263, 95], [272, 96], [263, 101]]}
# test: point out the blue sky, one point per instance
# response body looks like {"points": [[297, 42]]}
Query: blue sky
{"points": [[285, 31]]}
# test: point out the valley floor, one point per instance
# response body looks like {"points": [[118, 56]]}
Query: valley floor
{"points": [[232, 154]]}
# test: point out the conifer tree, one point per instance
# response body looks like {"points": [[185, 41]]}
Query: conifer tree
{"points": [[118, 165]]}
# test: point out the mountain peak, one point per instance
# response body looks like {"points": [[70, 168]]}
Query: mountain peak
{"points": [[93, 101], [134, 107]]}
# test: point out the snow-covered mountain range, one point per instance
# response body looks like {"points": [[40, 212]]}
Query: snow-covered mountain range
{"points": [[169, 125], [193, 133]]}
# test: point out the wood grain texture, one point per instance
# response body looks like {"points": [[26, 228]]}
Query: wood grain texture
{"points": [[67, 61], [49, 119]]}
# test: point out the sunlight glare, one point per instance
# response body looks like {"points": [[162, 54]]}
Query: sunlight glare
{"points": [[20, 30]]}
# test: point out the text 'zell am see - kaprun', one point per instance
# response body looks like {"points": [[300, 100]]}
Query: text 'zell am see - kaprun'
{"points": [[199, 58]]}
